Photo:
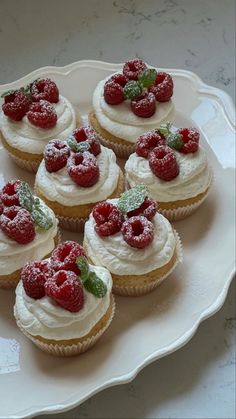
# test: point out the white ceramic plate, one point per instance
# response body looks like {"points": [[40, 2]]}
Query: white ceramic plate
{"points": [[146, 328]]}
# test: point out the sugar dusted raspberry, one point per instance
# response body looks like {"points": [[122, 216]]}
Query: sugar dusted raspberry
{"points": [[138, 231], [16, 105], [56, 154], [66, 289], [113, 93], [65, 255], [17, 224], [163, 163], [83, 169], [144, 106], [147, 142], [42, 114], [190, 138], [45, 89], [119, 78], [132, 68], [34, 276], [163, 87], [9, 194], [108, 219], [88, 134], [148, 209]]}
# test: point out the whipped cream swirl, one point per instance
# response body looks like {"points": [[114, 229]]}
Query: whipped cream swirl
{"points": [[122, 259], [43, 317], [26, 137], [59, 186]]}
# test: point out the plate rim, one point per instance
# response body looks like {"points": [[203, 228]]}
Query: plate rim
{"points": [[226, 103]]}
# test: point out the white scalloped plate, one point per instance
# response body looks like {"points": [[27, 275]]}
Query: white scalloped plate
{"points": [[146, 328]]}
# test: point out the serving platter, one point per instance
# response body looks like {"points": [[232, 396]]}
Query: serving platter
{"points": [[145, 328]]}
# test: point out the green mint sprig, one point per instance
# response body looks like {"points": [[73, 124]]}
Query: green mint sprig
{"points": [[91, 281], [173, 139], [132, 89], [133, 198], [24, 89], [146, 78], [77, 147]]}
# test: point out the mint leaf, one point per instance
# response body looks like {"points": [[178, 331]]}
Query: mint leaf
{"points": [[40, 217], [26, 197], [77, 147], [147, 77], [164, 129], [83, 267], [174, 140], [133, 198], [132, 89], [95, 285]]}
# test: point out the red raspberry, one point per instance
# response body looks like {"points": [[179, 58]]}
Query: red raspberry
{"points": [[163, 87], [45, 89], [65, 255], [108, 219], [88, 134], [9, 194], [66, 289], [190, 137], [148, 209], [56, 154], [144, 106], [163, 163], [16, 223], [119, 78], [42, 114], [16, 105], [147, 142], [113, 93], [83, 169], [138, 232], [132, 68], [34, 276]]}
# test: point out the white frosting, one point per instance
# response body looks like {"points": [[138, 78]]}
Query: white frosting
{"points": [[59, 186], [122, 259], [26, 137], [194, 176], [45, 318], [120, 121], [13, 255]]}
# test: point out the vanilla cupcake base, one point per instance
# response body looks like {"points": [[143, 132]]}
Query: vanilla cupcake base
{"points": [[74, 218], [27, 161], [11, 280], [72, 347]]}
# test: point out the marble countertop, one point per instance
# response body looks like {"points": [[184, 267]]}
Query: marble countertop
{"points": [[197, 381]]}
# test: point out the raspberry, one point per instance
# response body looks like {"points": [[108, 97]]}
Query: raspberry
{"points": [[88, 134], [83, 169], [45, 89], [113, 93], [108, 219], [163, 87], [16, 105], [148, 209], [42, 114], [65, 255], [144, 106], [119, 78], [34, 276], [147, 142], [9, 194], [66, 289], [16, 223], [190, 138], [138, 232], [56, 154], [163, 163], [132, 68]]}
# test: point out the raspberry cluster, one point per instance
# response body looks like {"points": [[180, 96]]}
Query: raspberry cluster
{"points": [[157, 146], [34, 101], [78, 154], [144, 87]]}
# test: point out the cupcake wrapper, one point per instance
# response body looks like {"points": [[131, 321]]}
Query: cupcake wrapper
{"points": [[139, 290], [68, 350], [29, 165], [121, 150], [72, 224]]}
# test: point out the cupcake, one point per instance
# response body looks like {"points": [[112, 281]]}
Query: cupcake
{"points": [[77, 174], [127, 104], [63, 304], [174, 167], [30, 117], [28, 231], [134, 242]]}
